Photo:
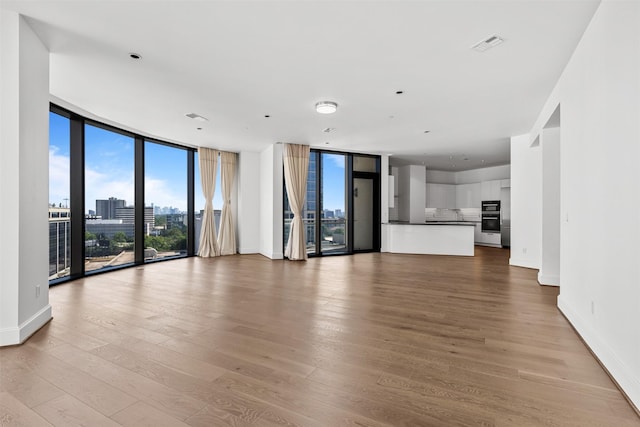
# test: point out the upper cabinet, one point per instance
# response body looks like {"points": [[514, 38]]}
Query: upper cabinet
{"points": [[468, 195], [490, 190], [441, 196]]}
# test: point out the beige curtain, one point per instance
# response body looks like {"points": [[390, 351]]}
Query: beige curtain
{"points": [[227, 235], [208, 160], [296, 167]]}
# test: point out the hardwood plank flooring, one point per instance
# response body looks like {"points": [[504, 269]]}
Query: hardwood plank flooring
{"points": [[363, 340]]}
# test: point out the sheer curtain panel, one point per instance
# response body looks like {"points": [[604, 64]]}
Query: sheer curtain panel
{"points": [[208, 160], [296, 167], [227, 235]]}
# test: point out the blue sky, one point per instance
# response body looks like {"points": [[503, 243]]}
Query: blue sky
{"points": [[333, 177], [109, 171]]}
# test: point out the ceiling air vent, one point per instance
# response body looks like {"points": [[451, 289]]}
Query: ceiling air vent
{"points": [[196, 117], [487, 43]]}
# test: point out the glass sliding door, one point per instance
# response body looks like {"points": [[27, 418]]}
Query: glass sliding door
{"points": [[109, 198], [333, 224], [165, 192]]}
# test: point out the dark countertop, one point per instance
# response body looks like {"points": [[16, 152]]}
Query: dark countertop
{"points": [[472, 223]]}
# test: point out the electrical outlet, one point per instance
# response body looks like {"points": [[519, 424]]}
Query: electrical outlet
{"points": [[37, 291]]}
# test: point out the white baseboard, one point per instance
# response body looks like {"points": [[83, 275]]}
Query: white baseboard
{"points": [[490, 245], [246, 251], [548, 279], [624, 375], [520, 262], [272, 255], [19, 334]]}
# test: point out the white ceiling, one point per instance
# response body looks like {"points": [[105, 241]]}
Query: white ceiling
{"points": [[236, 61]]}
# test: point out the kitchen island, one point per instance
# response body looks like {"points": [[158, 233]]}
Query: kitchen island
{"points": [[430, 238]]}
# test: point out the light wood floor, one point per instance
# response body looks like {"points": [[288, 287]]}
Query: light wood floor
{"points": [[363, 340]]}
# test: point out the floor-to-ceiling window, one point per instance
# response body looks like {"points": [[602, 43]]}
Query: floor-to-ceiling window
{"points": [[115, 199], [166, 219], [59, 196], [109, 198], [334, 214], [336, 181]]}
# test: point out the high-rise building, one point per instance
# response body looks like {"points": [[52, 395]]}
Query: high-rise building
{"points": [[59, 241], [107, 208], [127, 215]]}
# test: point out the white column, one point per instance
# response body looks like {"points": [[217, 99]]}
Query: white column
{"points": [[412, 193], [550, 247], [248, 202], [24, 182], [271, 199]]}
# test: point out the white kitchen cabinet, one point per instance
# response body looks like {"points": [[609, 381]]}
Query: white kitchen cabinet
{"points": [[468, 195], [441, 196], [490, 190]]}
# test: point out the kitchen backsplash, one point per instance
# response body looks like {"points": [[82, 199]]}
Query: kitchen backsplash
{"points": [[466, 214]]}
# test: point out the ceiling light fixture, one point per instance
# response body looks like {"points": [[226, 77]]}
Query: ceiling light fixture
{"points": [[134, 55], [326, 107], [197, 117]]}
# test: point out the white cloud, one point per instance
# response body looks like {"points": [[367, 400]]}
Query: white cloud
{"points": [[99, 185], [58, 177], [158, 192], [102, 186]]}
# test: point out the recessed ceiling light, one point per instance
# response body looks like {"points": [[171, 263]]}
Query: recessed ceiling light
{"points": [[197, 117], [133, 55], [199, 128], [487, 43], [326, 107], [327, 130], [427, 131], [327, 143], [399, 92]]}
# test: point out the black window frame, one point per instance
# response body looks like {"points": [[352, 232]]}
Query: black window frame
{"points": [[351, 174], [77, 202]]}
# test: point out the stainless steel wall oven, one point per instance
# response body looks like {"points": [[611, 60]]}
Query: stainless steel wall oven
{"points": [[491, 216]]}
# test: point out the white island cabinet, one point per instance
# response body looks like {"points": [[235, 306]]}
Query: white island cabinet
{"points": [[436, 238]]}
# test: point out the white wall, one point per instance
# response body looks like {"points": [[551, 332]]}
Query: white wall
{"points": [[526, 198], [271, 199], [24, 188], [384, 188], [248, 202], [550, 246], [599, 97]]}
